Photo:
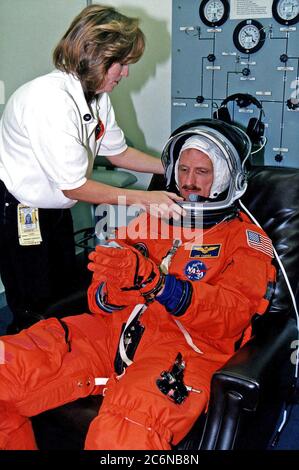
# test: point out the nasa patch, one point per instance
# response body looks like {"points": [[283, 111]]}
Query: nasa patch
{"points": [[195, 270]]}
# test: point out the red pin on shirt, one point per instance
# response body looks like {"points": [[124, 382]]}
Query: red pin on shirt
{"points": [[99, 131]]}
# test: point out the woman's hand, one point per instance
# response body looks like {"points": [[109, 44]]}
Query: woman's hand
{"points": [[158, 203], [161, 203]]}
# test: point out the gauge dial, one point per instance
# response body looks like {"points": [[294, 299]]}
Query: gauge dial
{"points": [[249, 36], [214, 12], [286, 11]]}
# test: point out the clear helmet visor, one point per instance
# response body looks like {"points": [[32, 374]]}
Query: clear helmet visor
{"points": [[221, 171], [223, 144]]}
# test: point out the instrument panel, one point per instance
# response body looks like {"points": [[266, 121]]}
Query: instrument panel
{"points": [[219, 48], [249, 36], [214, 13], [286, 11]]}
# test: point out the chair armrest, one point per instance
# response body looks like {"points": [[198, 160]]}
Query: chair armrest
{"points": [[101, 161], [237, 387], [252, 365]]}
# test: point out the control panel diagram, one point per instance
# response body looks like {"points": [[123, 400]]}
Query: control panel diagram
{"points": [[238, 61]]}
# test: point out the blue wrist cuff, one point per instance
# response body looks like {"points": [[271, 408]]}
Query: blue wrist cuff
{"points": [[176, 296]]}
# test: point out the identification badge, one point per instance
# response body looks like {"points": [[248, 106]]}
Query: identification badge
{"points": [[28, 226]]}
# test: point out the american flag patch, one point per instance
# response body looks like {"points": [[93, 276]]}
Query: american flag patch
{"points": [[259, 242]]}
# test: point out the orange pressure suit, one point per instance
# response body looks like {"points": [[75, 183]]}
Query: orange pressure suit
{"points": [[231, 272]]}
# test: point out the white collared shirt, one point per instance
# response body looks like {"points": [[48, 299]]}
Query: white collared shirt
{"points": [[47, 139]]}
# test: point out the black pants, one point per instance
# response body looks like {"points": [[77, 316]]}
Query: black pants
{"points": [[35, 276]]}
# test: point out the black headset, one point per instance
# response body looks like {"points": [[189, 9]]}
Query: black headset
{"points": [[255, 127]]}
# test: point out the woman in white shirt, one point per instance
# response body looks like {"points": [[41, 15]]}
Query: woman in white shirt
{"points": [[50, 132]]}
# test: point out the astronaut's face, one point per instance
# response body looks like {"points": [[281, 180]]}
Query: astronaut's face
{"points": [[195, 173]]}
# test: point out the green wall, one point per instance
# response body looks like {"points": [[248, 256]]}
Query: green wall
{"points": [[29, 31]]}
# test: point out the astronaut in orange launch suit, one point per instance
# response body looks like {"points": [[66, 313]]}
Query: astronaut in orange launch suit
{"points": [[167, 311]]}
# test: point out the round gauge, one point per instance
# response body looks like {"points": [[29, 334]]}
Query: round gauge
{"points": [[286, 11], [249, 36], [214, 12]]}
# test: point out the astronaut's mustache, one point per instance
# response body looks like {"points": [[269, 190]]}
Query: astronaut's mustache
{"points": [[191, 187]]}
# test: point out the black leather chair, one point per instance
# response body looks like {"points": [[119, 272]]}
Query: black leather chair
{"points": [[248, 392]]}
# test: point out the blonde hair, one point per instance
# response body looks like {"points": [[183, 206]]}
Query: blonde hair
{"points": [[98, 37]]}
